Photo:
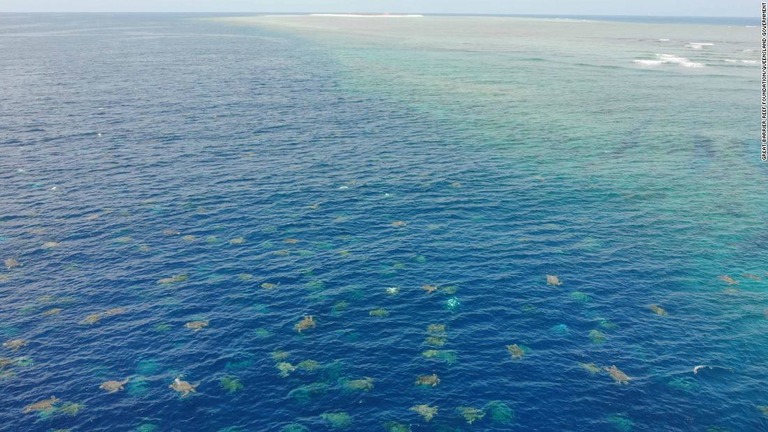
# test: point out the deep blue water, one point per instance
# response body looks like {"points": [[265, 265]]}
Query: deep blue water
{"points": [[121, 135]]}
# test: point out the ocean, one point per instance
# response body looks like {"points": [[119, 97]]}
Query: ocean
{"points": [[295, 223]]}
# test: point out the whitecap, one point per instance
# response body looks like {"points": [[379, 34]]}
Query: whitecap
{"points": [[699, 45], [663, 59], [731, 61], [649, 62], [663, 40], [749, 62]]}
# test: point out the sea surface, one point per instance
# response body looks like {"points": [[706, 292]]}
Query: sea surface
{"points": [[179, 193]]}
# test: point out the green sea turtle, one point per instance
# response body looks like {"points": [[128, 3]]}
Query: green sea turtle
{"points": [[763, 409], [114, 311], [729, 280], [113, 386], [308, 365], [471, 414], [269, 285], [237, 241], [15, 344], [196, 325], [4, 362], [173, 279], [437, 341], [596, 336], [618, 376], [398, 224], [429, 289], [280, 355], [425, 411], [379, 313], [516, 351], [436, 328], [171, 232], [291, 241], [306, 323], [11, 263], [658, 310], [590, 367], [428, 380], [183, 387], [51, 312], [51, 245], [189, 238], [41, 406], [752, 276], [285, 368], [91, 319], [392, 290], [553, 280], [70, 408], [364, 384]]}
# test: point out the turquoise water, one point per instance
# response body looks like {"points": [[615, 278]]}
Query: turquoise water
{"points": [[164, 172]]}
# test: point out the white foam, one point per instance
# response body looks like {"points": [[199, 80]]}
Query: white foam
{"points": [[649, 62], [663, 40], [749, 62], [731, 61], [699, 45], [669, 59]]}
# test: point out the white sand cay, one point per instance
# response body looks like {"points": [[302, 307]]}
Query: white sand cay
{"points": [[369, 15]]}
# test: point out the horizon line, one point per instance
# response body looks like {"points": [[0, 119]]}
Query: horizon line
{"points": [[379, 13]]}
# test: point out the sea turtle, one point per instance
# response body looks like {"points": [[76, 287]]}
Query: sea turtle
{"points": [[437, 341], [183, 387], [308, 365], [189, 238], [763, 409], [114, 311], [113, 386], [41, 406], [196, 325], [619, 376], [291, 241], [428, 380], [91, 319], [392, 290], [436, 328], [553, 280], [171, 232], [51, 312], [596, 336], [398, 224], [515, 351], [237, 241], [471, 414], [590, 367], [658, 310], [5, 362], [306, 322], [729, 280], [51, 245], [285, 368], [269, 285], [425, 411], [752, 276], [364, 384], [379, 313], [15, 344], [11, 263], [429, 289]]}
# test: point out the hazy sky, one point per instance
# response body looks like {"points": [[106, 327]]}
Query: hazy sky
{"points": [[566, 7]]}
